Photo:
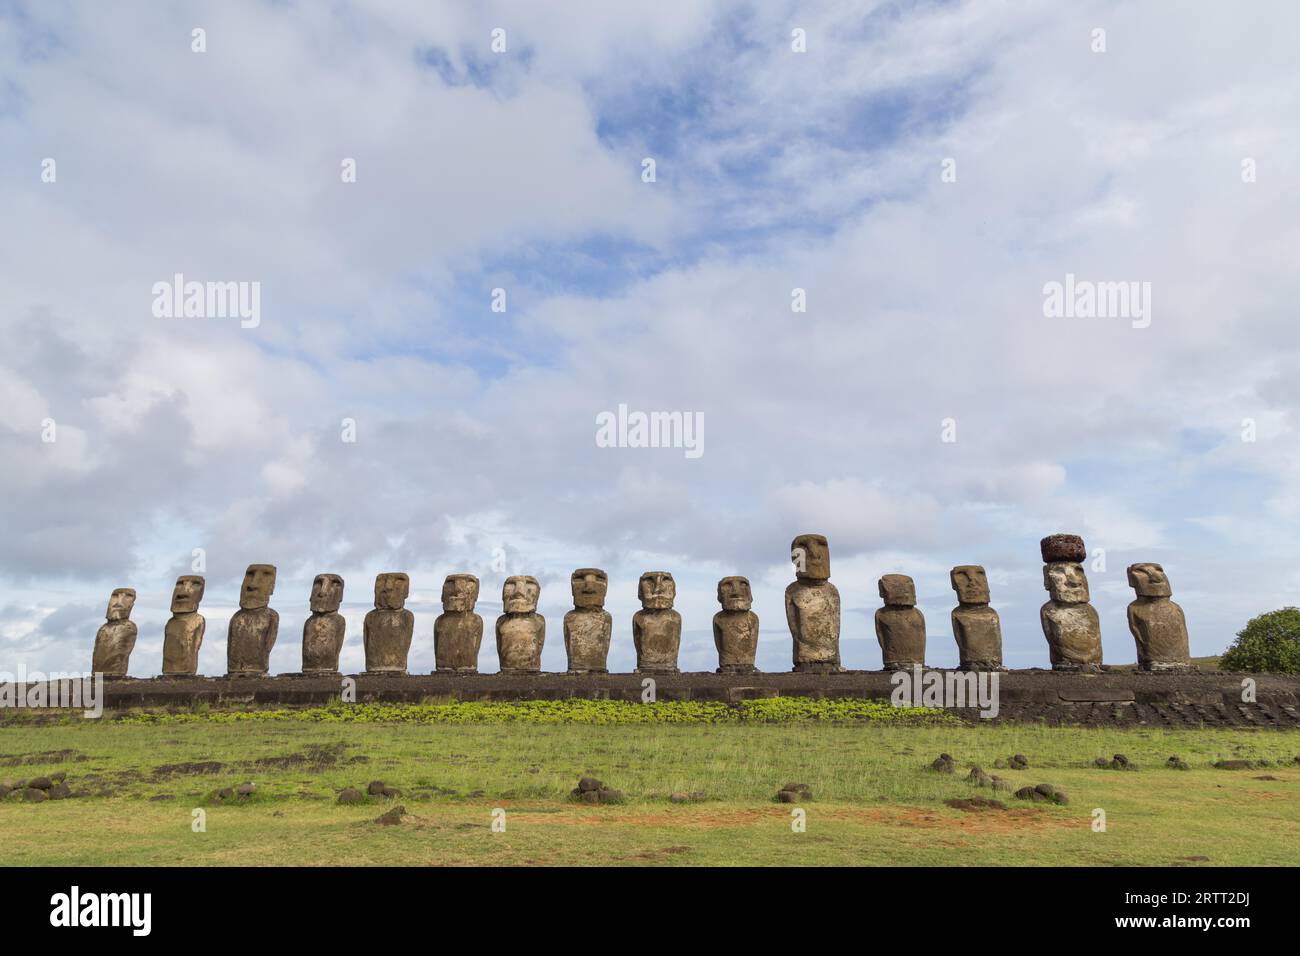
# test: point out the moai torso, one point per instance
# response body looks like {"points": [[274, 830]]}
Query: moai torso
{"points": [[1156, 622], [183, 635], [812, 607], [521, 631], [323, 631], [657, 628], [458, 631], [253, 628], [975, 626], [588, 627], [116, 636], [1070, 623], [735, 627], [387, 630], [900, 627]]}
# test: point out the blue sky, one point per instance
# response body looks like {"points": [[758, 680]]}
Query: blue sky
{"points": [[521, 170]]}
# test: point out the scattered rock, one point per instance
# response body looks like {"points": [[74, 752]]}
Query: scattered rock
{"points": [[1177, 763], [350, 795], [999, 784], [943, 764], [590, 783], [376, 788], [794, 793], [1018, 762], [392, 817], [59, 791], [59, 777], [1117, 762], [35, 795], [978, 777], [1043, 793], [1234, 765], [246, 789], [226, 793], [975, 804], [588, 790], [40, 783], [610, 796]]}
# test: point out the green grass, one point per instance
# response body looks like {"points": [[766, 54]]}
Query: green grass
{"points": [[876, 803]]}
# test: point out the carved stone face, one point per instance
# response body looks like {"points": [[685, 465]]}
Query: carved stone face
{"points": [[120, 603], [1149, 580], [970, 583], [589, 587], [326, 593], [734, 594], [187, 594], [459, 592], [1066, 582], [657, 589], [391, 590], [519, 594], [259, 583], [811, 556], [898, 589]]}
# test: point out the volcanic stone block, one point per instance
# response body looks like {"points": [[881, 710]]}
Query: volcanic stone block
{"points": [[1063, 547], [183, 635], [254, 626], [588, 627], [812, 607], [656, 628], [900, 627], [975, 626], [323, 631], [116, 636], [521, 631], [387, 630], [458, 631], [1157, 623], [735, 627]]}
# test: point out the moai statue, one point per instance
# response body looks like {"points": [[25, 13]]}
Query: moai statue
{"points": [[521, 631], [735, 627], [1070, 623], [900, 627], [322, 633], [1157, 623], [812, 607], [116, 636], [253, 627], [458, 631], [656, 628], [183, 635], [587, 628], [387, 630], [975, 625]]}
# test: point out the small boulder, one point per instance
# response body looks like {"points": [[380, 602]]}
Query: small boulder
{"points": [[590, 783], [1018, 762], [608, 795], [943, 764], [1234, 765], [59, 791], [393, 817], [226, 793], [376, 788], [40, 783], [1177, 763], [35, 795], [794, 793], [589, 796], [350, 795], [246, 789]]}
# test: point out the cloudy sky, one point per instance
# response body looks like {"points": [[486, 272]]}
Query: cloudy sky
{"points": [[921, 171]]}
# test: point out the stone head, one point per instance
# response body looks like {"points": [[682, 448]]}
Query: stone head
{"points": [[187, 594], [259, 584], [1149, 580], [589, 587], [120, 603], [898, 589], [391, 590], [657, 589], [811, 556], [459, 592], [326, 593], [519, 594], [971, 584], [1062, 547], [1066, 582], [734, 594]]}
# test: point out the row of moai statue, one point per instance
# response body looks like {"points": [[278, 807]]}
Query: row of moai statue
{"points": [[812, 604]]}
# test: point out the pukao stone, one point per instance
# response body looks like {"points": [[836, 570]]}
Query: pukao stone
{"points": [[657, 628], [183, 635], [588, 627], [254, 626], [521, 631], [735, 627], [1157, 623], [458, 631], [900, 626], [975, 626], [1070, 623], [116, 636], [387, 630], [323, 631], [812, 607]]}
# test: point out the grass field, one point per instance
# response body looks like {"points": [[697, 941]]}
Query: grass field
{"points": [[875, 800]]}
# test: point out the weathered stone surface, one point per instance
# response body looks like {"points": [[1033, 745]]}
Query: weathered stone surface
{"points": [[900, 626], [183, 635], [323, 631], [812, 607], [656, 628], [735, 627], [1070, 623], [387, 630], [1156, 622], [350, 795], [588, 627], [520, 631], [458, 631], [1063, 547], [254, 626], [975, 626], [116, 637]]}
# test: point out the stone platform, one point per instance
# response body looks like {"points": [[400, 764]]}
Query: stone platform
{"points": [[1109, 698]]}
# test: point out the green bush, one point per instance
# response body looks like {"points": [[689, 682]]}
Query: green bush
{"points": [[1269, 643]]}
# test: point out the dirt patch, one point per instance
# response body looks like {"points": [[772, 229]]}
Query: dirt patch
{"points": [[975, 804], [47, 756]]}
